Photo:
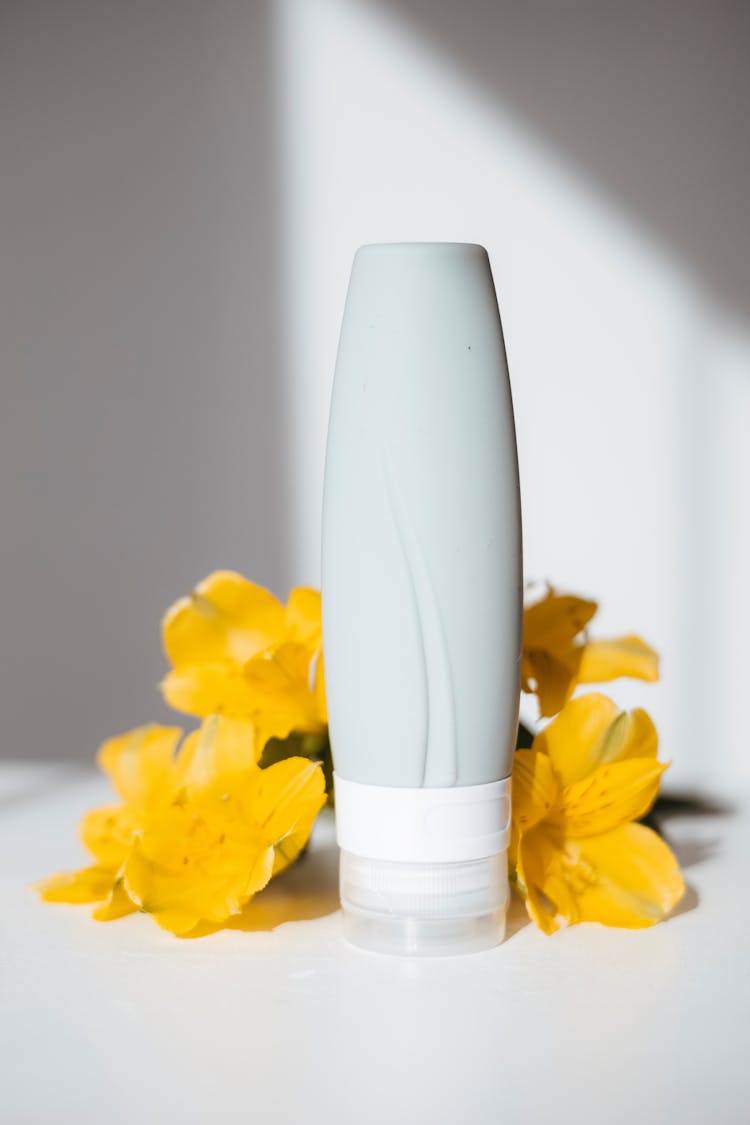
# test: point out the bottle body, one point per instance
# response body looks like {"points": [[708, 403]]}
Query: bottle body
{"points": [[422, 575]]}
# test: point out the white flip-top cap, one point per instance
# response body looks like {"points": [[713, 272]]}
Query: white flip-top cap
{"points": [[423, 871]]}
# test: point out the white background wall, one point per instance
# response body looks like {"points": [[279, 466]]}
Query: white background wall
{"points": [[187, 185]]}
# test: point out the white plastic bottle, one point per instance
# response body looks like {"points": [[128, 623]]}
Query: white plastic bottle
{"points": [[422, 600]]}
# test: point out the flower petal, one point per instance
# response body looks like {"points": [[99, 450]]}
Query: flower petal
{"points": [[628, 877], [552, 677], [117, 904], [637, 878], [303, 617], [631, 735], [319, 689], [278, 683], [226, 618], [198, 860], [287, 795], [182, 917], [217, 753], [288, 849], [140, 762], [209, 689], [535, 788], [90, 884], [540, 875], [603, 661], [556, 620], [108, 833], [609, 797], [591, 732]]}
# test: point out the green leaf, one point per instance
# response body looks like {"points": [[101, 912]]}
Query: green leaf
{"points": [[524, 738]]}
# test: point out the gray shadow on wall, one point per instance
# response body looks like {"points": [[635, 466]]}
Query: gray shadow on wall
{"points": [[671, 809], [142, 435]]}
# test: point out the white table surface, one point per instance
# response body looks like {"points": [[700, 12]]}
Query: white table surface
{"points": [[124, 1023]]}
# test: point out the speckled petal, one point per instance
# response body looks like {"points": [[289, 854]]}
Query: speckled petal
{"points": [[535, 788], [610, 797]]}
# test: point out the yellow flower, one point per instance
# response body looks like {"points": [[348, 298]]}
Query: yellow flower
{"points": [[556, 657], [236, 650], [141, 766], [197, 833], [201, 857], [575, 854]]}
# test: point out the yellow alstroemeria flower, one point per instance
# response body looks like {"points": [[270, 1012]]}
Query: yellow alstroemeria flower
{"points": [[557, 657], [141, 766], [576, 856], [236, 650], [198, 833], [202, 857]]}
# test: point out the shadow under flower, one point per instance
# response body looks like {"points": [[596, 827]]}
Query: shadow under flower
{"points": [[691, 848], [517, 917], [673, 808], [688, 902]]}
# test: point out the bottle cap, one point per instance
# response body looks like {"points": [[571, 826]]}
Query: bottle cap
{"points": [[424, 909], [423, 871]]}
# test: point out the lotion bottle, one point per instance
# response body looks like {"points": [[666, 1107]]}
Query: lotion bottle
{"points": [[422, 600]]}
